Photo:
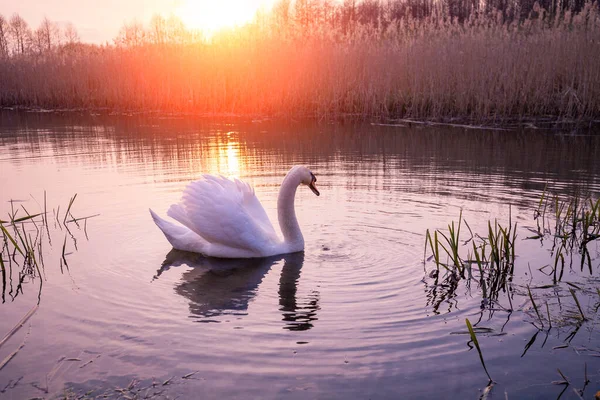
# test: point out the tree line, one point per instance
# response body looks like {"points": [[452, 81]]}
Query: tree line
{"points": [[287, 17], [18, 38]]}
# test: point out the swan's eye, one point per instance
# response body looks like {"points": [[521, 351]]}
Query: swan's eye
{"points": [[313, 177]]}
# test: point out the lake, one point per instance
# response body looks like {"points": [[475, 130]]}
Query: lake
{"points": [[359, 314]]}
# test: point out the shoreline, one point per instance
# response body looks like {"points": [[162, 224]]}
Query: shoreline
{"points": [[551, 123]]}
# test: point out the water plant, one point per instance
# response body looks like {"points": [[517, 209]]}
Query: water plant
{"points": [[23, 240], [476, 343], [568, 227], [493, 254], [576, 224]]}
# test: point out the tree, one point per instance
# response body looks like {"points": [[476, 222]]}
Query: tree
{"points": [[4, 28], [70, 33], [131, 35], [50, 33], [20, 34]]}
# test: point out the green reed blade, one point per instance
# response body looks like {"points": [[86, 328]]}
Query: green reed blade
{"points": [[28, 217], [542, 200], [428, 240], [476, 342], [12, 240], [477, 257]]}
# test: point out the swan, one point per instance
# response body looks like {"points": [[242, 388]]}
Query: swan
{"points": [[223, 218]]}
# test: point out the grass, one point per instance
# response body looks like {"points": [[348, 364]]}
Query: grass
{"points": [[483, 70], [567, 227], [23, 241], [575, 224], [22, 248], [494, 252]]}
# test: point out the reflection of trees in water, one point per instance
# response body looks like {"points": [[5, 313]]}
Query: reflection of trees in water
{"points": [[217, 287]]}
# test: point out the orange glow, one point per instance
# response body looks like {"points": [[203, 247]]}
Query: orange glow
{"points": [[210, 16], [229, 158]]}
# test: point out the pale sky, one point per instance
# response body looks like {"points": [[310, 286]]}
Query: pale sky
{"points": [[99, 21]]}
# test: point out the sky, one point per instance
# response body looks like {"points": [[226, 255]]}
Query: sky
{"points": [[98, 21]]}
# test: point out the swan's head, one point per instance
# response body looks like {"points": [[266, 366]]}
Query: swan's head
{"points": [[307, 178]]}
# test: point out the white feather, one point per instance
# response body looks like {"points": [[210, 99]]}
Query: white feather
{"points": [[224, 218]]}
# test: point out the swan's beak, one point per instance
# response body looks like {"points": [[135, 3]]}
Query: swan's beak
{"points": [[313, 187]]}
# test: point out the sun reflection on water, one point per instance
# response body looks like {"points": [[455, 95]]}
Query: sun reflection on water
{"points": [[224, 157], [230, 159]]}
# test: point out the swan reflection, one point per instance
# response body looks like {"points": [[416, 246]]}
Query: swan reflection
{"points": [[217, 287], [297, 315]]}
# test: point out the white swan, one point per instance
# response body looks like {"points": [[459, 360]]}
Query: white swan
{"points": [[224, 218]]}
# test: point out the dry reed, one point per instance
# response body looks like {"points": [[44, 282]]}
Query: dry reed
{"points": [[483, 69]]}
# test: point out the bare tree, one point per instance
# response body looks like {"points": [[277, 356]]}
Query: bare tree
{"points": [[38, 41], [4, 28], [70, 33], [49, 34], [20, 34], [131, 35], [43, 34]]}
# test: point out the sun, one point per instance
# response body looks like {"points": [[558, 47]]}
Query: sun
{"points": [[212, 15]]}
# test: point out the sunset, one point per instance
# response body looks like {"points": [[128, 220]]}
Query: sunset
{"points": [[299, 199], [211, 16]]}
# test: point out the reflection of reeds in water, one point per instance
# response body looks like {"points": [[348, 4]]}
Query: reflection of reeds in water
{"points": [[23, 238], [217, 287], [23, 253], [572, 225], [419, 160], [490, 261]]}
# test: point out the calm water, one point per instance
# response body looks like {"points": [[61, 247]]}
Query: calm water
{"points": [[354, 316]]}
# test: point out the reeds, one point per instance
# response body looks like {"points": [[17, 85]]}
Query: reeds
{"points": [[576, 224], [484, 69], [494, 252], [22, 248], [476, 343], [572, 224]]}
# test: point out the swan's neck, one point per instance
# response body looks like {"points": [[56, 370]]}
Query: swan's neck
{"points": [[286, 213]]}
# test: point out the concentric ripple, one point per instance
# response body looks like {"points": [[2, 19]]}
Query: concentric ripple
{"points": [[354, 316]]}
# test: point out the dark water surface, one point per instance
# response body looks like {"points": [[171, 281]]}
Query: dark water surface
{"points": [[354, 316]]}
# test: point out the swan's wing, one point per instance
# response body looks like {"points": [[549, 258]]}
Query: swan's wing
{"points": [[226, 212]]}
